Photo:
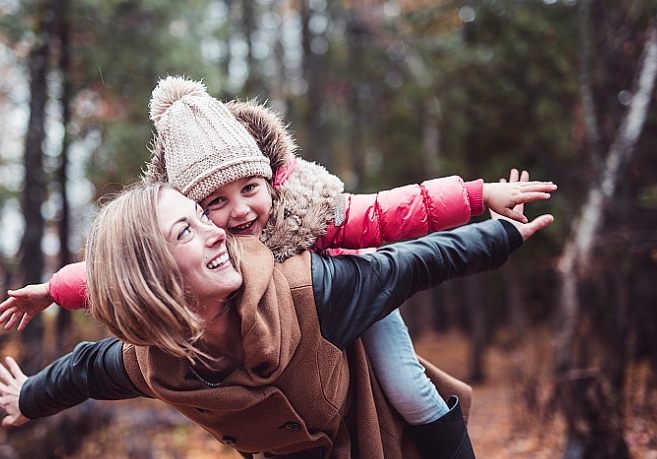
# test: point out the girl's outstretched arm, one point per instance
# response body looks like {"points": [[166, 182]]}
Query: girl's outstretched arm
{"points": [[411, 211], [67, 288]]}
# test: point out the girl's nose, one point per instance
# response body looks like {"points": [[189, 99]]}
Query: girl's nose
{"points": [[239, 209]]}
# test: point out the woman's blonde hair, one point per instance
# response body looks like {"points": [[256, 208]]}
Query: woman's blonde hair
{"points": [[134, 285]]}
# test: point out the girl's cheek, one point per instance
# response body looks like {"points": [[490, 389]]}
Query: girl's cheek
{"points": [[218, 219]]}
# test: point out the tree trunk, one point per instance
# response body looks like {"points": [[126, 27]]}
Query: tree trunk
{"points": [[34, 194], [431, 138], [514, 303], [278, 88], [356, 32], [313, 70], [63, 316], [594, 426], [248, 28], [474, 298]]}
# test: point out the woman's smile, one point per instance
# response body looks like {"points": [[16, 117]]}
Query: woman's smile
{"points": [[218, 262], [198, 247]]}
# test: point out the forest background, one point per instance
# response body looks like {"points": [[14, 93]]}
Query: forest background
{"points": [[383, 93]]}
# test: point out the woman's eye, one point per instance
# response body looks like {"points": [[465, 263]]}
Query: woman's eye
{"points": [[205, 216], [249, 188], [184, 232]]}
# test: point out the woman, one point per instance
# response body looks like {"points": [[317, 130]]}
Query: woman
{"points": [[265, 357]]}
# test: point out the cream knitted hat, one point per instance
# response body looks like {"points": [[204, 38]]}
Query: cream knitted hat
{"points": [[205, 147]]}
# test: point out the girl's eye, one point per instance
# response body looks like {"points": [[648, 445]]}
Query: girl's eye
{"points": [[250, 187], [215, 203], [205, 216]]}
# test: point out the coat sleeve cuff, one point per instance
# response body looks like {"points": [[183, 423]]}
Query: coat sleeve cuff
{"points": [[476, 196], [68, 287], [515, 238]]}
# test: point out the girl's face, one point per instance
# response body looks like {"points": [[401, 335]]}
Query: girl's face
{"points": [[241, 207], [198, 247]]}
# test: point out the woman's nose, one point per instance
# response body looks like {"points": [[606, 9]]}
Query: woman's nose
{"points": [[215, 234]]}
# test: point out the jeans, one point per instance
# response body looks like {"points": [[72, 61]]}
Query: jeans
{"points": [[402, 377]]}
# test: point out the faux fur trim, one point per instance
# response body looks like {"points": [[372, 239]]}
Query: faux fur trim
{"points": [[272, 135], [306, 201], [301, 214], [156, 169]]}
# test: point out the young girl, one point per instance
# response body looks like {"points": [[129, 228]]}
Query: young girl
{"points": [[250, 182]]}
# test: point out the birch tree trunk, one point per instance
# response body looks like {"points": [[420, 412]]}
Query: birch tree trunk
{"points": [[594, 427]]}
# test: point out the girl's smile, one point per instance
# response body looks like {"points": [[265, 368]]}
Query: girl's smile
{"points": [[241, 207]]}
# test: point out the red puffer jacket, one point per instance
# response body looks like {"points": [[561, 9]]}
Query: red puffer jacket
{"points": [[358, 221], [404, 213]]}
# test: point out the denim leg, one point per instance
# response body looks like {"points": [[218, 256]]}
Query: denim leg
{"points": [[402, 377]]}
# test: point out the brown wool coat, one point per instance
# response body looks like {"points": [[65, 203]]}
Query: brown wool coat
{"points": [[296, 391]]}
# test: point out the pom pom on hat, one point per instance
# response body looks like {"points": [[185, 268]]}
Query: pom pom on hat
{"points": [[170, 90], [204, 145]]}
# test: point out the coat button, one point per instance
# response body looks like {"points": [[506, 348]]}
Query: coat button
{"points": [[294, 426], [228, 441]]}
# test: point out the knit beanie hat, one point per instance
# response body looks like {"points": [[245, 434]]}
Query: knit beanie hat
{"points": [[204, 145]]}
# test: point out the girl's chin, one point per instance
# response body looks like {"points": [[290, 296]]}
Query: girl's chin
{"points": [[244, 232], [252, 230]]}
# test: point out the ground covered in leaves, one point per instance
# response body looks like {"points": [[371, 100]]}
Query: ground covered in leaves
{"points": [[511, 415]]}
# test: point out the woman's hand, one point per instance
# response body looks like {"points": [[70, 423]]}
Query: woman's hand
{"points": [[23, 304], [505, 198], [12, 379]]}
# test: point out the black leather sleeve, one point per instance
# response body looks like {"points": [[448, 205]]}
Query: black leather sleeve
{"points": [[354, 291], [92, 370]]}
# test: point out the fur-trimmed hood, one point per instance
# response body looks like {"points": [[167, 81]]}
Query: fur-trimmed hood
{"points": [[307, 194]]}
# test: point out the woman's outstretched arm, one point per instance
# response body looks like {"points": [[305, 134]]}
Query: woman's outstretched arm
{"points": [[92, 370]]}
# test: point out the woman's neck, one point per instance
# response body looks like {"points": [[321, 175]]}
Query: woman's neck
{"points": [[223, 339]]}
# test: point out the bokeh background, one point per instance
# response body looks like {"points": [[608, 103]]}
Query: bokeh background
{"points": [[560, 344]]}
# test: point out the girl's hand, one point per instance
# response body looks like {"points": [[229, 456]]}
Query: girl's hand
{"points": [[23, 304], [516, 214], [507, 198]]}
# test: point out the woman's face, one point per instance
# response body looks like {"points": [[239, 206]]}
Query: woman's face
{"points": [[241, 207], [198, 247]]}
